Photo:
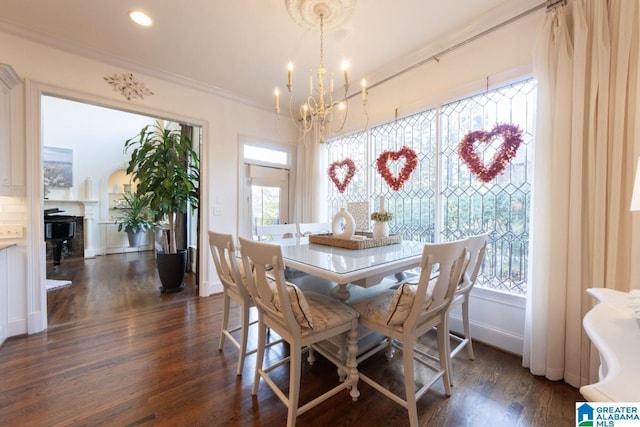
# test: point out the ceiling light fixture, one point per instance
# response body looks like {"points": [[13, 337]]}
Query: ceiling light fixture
{"points": [[140, 18], [321, 112]]}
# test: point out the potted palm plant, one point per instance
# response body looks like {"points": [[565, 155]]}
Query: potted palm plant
{"points": [[165, 166], [134, 220]]}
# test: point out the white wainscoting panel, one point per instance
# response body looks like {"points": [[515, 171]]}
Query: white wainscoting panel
{"points": [[496, 318]]}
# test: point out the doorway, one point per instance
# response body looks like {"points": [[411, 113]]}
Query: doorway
{"points": [[89, 190], [266, 170], [269, 188]]}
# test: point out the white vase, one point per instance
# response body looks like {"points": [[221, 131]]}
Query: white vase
{"points": [[88, 189], [380, 229], [343, 225]]}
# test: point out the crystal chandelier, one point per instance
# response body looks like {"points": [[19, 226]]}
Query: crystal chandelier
{"points": [[322, 111]]}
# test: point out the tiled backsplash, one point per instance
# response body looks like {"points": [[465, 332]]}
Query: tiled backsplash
{"points": [[13, 211]]}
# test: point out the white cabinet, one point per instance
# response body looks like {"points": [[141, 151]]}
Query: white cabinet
{"points": [[4, 293], [8, 80], [614, 330]]}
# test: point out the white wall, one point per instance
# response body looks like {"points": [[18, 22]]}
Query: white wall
{"points": [[60, 73], [492, 59], [95, 134]]}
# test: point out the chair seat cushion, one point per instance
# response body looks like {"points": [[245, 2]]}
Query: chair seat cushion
{"points": [[299, 304], [390, 307], [328, 312], [375, 309]]}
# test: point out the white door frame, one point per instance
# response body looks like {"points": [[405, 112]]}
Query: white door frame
{"points": [[243, 225], [36, 294], [271, 177]]}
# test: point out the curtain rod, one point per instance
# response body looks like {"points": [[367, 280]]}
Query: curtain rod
{"points": [[436, 57], [552, 4]]}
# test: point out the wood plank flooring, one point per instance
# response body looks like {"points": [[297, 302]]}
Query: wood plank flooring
{"points": [[119, 353]]}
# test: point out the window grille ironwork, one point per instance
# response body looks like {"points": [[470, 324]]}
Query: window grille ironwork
{"points": [[442, 200]]}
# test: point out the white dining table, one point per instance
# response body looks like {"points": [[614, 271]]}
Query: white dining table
{"points": [[362, 267]]}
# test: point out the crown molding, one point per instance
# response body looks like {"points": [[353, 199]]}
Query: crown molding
{"points": [[117, 61]]}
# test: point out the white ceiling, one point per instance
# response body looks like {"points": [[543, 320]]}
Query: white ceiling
{"points": [[241, 47]]}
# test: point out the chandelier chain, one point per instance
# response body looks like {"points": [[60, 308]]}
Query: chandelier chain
{"points": [[322, 40]]}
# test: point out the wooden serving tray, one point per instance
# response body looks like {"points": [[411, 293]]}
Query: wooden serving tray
{"points": [[368, 242]]}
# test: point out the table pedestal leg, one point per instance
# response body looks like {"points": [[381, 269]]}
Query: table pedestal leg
{"points": [[341, 292]]}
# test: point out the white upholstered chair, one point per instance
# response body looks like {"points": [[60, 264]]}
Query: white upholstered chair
{"points": [[405, 314], [306, 228], [276, 231], [229, 272], [302, 321]]}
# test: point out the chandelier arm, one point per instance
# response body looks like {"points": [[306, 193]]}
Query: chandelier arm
{"points": [[300, 124], [321, 113]]}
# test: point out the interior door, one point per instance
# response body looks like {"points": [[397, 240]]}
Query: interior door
{"points": [[269, 196]]}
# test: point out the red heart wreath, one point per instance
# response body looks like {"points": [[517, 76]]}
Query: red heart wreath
{"points": [[512, 138], [348, 176], [411, 162]]}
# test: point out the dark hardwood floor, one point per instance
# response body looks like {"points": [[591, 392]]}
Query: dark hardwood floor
{"points": [[107, 285], [119, 353]]}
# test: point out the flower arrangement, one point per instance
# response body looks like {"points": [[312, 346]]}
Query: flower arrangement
{"points": [[411, 162], [348, 176], [382, 216], [512, 138]]}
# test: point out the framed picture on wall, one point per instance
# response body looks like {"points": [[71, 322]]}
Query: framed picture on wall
{"points": [[57, 164]]}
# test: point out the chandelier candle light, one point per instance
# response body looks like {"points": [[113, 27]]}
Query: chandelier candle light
{"points": [[320, 112]]}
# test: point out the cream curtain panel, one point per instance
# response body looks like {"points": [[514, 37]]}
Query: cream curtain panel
{"points": [[586, 64], [310, 197]]}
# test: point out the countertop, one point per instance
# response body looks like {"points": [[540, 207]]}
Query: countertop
{"points": [[613, 330]]}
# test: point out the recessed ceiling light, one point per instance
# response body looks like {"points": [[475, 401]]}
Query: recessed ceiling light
{"points": [[140, 18]]}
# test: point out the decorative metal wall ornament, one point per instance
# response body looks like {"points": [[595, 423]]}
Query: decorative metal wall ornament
{"points": [[128, 86]]}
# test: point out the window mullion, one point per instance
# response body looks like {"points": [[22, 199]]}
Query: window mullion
{"points": [[439, 180]]}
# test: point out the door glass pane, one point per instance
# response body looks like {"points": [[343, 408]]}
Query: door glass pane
{"points": [[265, 154], [265, 206]]}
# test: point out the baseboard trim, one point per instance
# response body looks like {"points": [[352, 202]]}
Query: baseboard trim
{"points": [[490, 335], [16, 327], [496, 319]]}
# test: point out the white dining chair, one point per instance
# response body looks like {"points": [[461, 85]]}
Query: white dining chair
{"points": [[307, 228], [276, 231], [301, 320], [405, 314], [476, 247], [234, 288]]}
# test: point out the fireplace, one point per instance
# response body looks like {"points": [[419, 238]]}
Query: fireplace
{"points": [[86, 234], [74, 248]]}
